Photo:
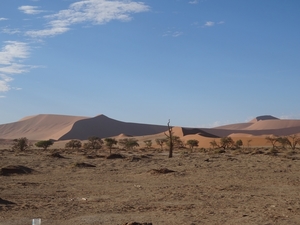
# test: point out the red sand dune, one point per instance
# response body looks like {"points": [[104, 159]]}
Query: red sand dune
{"points": [[39, 127], [61, 127], [262, 125]]}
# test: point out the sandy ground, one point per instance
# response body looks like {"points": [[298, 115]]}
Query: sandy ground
{"points": [[235, 187]]}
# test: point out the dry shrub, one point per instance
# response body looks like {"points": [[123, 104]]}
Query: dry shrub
{"points": [[161, 171]]}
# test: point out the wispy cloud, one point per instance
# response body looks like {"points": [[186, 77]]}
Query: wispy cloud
{"points": [[94, 11], [211, 23], [173, 33], [13, 50], [2, 19], [28, 9], [10, 31], [11, 56], [194, 2]]}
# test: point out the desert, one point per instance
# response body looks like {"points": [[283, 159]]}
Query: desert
{"points": [[255, 183]]}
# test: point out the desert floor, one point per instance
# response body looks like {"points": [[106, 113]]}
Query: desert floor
{"points": [[235, 187]]}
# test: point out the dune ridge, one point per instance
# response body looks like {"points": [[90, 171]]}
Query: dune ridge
{"points": [[43, 126], [103, 126], [63, 127]]}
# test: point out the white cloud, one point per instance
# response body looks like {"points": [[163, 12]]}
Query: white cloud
{"points": [[13, 50], [194, 2], [172, 34], [95, 11], [11, 56], [10, 31], [2, 19], [177, 34], [28, 9], [4, 80], [209, 24], [15, 68]]}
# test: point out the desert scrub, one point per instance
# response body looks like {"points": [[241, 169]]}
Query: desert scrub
{"points": [[185, 154], [272, 151]]}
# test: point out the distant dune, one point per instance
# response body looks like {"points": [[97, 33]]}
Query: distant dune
{"points": [[261, 125], [102, 126], [62, 127], [39, 127]]}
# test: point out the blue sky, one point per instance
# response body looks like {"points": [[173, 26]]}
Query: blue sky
{"points": [[199, 63]]}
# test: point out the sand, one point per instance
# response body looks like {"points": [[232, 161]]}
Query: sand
{"points": [[63, 127], [234, 187], [252, 185]]}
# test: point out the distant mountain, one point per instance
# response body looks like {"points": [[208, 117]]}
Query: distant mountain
{"points": [[62, 127]]}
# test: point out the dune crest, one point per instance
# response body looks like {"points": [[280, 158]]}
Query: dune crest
{"points": [[39, 127], [63, 127]]}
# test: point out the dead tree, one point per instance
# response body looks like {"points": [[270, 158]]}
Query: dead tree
{"points": [[170, 139]]}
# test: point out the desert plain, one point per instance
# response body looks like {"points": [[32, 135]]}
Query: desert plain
{"points": [[254, 184]]}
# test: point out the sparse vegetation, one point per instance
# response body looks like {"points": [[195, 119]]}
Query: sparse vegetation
{"points": [[73, 144], [93, 143], [226, 142], [239, 143], [161, 142], [110, 142], [283, 141], [214, 144], [21, 144], [293, 140], [148, 143], [272, 140], [192, 143], [128, 143], [44, 144]]}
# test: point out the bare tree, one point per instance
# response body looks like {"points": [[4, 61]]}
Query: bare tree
{"points": [[21, 144], [161, 142], [284, 141], [214, 144], [170, 139], [272, 140], [293, 140]]}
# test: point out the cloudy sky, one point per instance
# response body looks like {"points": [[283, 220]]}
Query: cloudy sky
{"points": [[199, 63]]}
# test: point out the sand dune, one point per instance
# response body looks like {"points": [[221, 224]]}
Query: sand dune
{"points": [[261, 125], [61, 127], [102, 126], [274, 124], [44, 126]]}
